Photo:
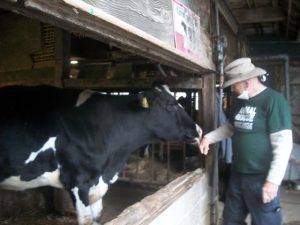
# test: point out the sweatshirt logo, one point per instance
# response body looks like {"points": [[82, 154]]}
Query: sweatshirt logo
{"points": [[244, 118]]}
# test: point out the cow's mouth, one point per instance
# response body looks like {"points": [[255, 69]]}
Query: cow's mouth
{"points": [[195, 140]]}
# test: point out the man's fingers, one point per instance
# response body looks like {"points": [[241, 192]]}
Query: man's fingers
{"points": [[269, 191], [267, 198], [203, 149], [204, 146]]}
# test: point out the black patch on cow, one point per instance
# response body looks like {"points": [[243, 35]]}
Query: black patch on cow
{"points": [[44, 162], [83, 195]]}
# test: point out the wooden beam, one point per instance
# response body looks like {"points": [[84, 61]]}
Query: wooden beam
{"points": [[259, 15], [207, 98], [173, 83], [227, 14], [288, 20], [28, 82], [62, 56], [105, 29], [275, 3]]}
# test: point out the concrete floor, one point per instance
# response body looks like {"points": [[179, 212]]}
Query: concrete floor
{"points": [[290, 200], [290, 203], [120, 196]]}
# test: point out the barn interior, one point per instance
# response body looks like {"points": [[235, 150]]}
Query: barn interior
{"points": [[34, 52], [40, 46]]}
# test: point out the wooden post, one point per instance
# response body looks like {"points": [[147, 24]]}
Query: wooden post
{"points": [[62, 56], [208, 109]]}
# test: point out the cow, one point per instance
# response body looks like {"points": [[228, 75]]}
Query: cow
{"points": [[80, 140]]}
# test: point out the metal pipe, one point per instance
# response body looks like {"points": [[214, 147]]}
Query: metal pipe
{"points": [[215, 169]]}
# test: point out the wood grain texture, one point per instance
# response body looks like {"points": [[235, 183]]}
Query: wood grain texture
{"points": [[176, 83], [151, 16]]}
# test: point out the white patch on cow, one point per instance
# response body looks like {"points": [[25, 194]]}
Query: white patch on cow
{"points": [[166, 89], [84, 96], [96, 209], [114, 179], [46, 179], [90, 214], [96, 192], [199, 130], [84, 213], [49, 144]]}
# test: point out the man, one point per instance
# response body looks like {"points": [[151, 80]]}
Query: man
{"points": [[260, 128]]}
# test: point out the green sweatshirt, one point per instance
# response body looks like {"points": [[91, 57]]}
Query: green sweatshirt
{"points": [[253, 121]]}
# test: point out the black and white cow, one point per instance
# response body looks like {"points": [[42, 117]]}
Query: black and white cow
{"points": [[80, 140]]}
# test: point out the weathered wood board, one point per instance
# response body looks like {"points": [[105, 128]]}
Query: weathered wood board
{"points": [[153, 16]]}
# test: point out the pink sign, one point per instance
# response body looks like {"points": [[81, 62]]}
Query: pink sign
{"points": [[187, 30]]}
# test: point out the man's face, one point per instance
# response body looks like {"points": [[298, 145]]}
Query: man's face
{"points": [[238, 88]]}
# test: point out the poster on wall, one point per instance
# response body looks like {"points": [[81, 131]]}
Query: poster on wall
{"points": [[187, 30]]}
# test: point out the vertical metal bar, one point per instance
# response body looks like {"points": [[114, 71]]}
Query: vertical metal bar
{"points": [[136, 165], [214, 213], [168, 161], [183, 157], [152, 161], [220, 69]]}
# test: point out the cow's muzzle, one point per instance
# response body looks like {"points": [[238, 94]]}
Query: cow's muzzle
{"points": [[195, 138]]}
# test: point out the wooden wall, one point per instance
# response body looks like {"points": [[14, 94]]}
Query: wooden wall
{"points": [[295, 98], [22, 48], [155, 14]]}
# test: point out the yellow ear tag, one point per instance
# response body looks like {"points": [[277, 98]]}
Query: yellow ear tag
{"points": [[145, 103]]}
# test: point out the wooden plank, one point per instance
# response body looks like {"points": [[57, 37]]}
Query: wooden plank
{"points": [[27, 82], [62, 56], [178, 83], [113, 31], [288, 21], [150, 208], [14, 32], [173, 83], [208, 115], [155, 17], [259, 15], [227, 14]]}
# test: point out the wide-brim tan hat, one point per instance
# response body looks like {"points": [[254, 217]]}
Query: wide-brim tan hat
{"points": [[240, 70]]}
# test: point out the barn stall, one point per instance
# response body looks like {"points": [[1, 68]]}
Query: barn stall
{"points": [[99, 45]]}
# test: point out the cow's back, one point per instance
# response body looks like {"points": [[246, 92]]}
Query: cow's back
{"points": [[29, 118]]}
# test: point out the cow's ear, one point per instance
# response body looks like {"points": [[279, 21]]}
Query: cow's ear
{"points": [[144, 102]]}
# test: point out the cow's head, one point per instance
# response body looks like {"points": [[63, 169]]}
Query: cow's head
{"points": [[167, 120]]}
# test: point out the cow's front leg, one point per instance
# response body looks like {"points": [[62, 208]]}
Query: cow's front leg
{"points": [[83, 209], [96, 209], [96, 194]]}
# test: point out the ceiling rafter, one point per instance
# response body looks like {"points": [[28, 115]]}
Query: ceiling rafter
{"points": [[259, 15], [272, 18], [289, 12]]}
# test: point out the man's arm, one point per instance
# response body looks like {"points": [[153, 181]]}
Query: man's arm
{"points": [[219, 134], [282, 144]]}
